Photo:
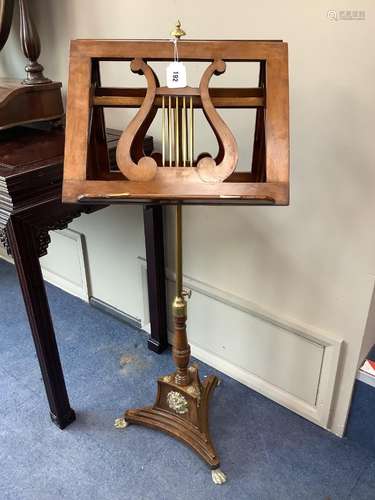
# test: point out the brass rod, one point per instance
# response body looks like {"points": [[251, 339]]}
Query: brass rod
{"points": [[170, 129], [163, 130], [177, 136], [181, 348], [191, 133], [179, 250], [184, 131]]}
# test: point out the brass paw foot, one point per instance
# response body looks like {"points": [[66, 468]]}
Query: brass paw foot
{"points": [[218, 476], [120, 423]]}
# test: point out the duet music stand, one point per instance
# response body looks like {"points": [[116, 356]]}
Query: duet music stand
{"points": [[176, 175]]}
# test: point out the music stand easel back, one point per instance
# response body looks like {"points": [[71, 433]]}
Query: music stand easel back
{"points": [[177, 173]]}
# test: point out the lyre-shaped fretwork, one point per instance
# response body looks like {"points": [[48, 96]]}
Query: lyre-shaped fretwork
{"points": [[177, 131], [178, 171], [144, 169]]}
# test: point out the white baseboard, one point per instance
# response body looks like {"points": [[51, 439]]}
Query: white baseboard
{"points": [[206, 296], [5, 256], [113, 311]]}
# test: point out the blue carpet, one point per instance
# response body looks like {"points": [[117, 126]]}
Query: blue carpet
{"points": [[361, 422], [267, 451]]}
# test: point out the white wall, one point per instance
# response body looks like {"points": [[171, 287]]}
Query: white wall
{"points": [[311, 263], [65, 265]]}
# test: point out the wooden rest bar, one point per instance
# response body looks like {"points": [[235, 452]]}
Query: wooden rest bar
{"points": [[221, 97]]}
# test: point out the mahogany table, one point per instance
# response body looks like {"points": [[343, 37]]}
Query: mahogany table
{"points": [[31, 169]]}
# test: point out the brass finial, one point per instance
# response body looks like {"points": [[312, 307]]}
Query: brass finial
{"points": [[178, 32]]}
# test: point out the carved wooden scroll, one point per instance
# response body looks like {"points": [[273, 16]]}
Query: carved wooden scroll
{"points": [[211, 170], [145, 168]]}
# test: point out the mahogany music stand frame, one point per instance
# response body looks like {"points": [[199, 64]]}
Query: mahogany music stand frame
{"points": [[175, 175], [87, 176]]}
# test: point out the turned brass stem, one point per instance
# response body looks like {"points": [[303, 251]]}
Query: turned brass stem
{"points": [[181, 348], [170, 130], [184, 131], [177, 134], [163, 130]]}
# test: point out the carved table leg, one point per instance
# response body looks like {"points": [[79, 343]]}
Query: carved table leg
{"points": [[153, 224], [25, 251]]}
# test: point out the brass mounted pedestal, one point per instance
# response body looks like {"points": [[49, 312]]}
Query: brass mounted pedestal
{"points": [[181, 406]]}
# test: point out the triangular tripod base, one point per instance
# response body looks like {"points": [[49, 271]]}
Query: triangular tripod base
{"points": [[181, 406], [182, 412]]}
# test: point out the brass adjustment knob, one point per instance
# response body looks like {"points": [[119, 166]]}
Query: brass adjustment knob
{"points": [[179, 307]]}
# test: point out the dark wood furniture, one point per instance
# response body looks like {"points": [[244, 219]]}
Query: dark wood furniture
{"points": [[34, 98], [30, 206]]}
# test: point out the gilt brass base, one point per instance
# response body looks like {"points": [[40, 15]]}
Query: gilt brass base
{"points": [[182, 412]]}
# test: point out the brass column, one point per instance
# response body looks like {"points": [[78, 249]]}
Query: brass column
{"points": [[181, 348]]}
